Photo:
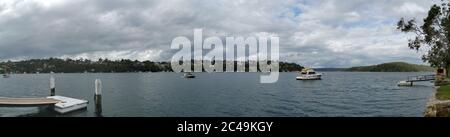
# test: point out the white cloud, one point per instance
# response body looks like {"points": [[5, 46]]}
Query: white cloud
{"points": [[316, 33], [411, 8], [117, 55]]}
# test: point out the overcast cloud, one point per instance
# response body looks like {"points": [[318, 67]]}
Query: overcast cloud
{"points": [[316, 33]]}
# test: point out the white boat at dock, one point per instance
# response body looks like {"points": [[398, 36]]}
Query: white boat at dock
{"points": [[404, 83], [309, 74], [66, 104]]}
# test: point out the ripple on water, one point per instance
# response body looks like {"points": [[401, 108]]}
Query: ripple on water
{"points": [[233, 94], [17, 111]]}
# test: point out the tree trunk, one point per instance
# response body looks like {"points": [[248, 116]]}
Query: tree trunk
{"points": [[447, 70]]}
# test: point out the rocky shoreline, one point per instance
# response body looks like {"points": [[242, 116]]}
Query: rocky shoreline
{"points": [[437, 108]]}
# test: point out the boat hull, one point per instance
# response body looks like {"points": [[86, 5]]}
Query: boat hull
{"points": [[68, 105], [310, 77], [189, 75], [404, 83]]}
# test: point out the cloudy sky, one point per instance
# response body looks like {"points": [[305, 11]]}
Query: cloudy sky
{"points": [[316, 33]]}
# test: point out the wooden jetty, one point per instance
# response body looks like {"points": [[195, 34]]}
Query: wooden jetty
{"points": [[27, 102], [60, 104], [421, 78], [411, 79]]}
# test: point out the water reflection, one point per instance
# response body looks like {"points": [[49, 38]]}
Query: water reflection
{"points": [[224, 94]]}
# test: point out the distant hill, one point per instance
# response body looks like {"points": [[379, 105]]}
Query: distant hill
{"points": [[392, 67], [330, 69]]}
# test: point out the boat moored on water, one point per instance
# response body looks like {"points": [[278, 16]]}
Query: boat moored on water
{"points": [[189, 75], [404, 83], [5, 76], [309, 74]]}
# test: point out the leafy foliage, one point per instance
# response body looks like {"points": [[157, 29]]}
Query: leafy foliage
{"points": [[434, 34]]}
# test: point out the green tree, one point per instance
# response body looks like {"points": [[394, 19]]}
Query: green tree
{"points": [[434, 33]]}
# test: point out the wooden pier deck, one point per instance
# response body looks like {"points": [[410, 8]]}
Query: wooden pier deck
{"points": [[421, 78], [27, 102], [410, 81], [60, 104]]}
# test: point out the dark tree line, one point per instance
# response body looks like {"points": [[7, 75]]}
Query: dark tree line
{"points": [[392, 67], [82, 65], [57, 65]]}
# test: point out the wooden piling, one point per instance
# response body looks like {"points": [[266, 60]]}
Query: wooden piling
{"points": [[52, 86], [98, 96]]}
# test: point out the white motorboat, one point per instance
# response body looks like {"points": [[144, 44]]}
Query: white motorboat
{"points": [[309, 74]]}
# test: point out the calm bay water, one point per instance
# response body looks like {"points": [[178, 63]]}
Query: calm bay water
{"points": [[226, 94]]}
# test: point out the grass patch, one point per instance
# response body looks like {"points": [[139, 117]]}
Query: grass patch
{"points": [[443, 93]]}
